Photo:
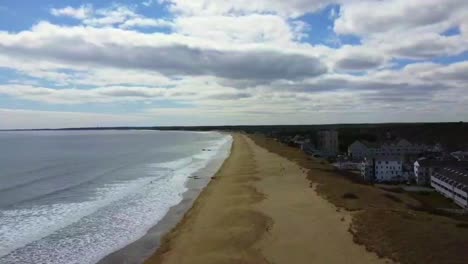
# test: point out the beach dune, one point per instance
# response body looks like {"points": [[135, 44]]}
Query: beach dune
{"points": [[260, 208]]}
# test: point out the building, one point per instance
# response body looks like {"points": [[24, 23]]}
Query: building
{"points": [[361, 149], [383, 169], [367, 169], [452, 183], [401, 147], [423, 168], [327, 142]]}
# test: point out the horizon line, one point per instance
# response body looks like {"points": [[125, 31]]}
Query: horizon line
{"points": [[216, 126]]}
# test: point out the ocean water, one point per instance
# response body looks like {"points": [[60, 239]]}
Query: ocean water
{"points": [[77, 196]]}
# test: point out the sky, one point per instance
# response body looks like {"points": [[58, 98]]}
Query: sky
{"points": [[70, 63]]}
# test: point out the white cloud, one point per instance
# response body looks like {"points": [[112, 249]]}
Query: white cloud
{"points": [[454, 73], [116, 15], [110, 16], [102, 76], [425, 46], [170, 56], [240, 29], [81, 96], [147, 3], [145, 22], [406, 29], [124, 17], [183, 91], [26, 119], [81, 12], [380, 17], [355, 58], [464, 27], [244, 61], [292, 8]]}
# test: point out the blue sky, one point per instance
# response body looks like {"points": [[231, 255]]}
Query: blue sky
{"points": [[207, 62]]}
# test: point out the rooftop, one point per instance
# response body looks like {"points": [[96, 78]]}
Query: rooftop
{"points": [[388, 143], [386, 157], [454, 176], [442, 163]]}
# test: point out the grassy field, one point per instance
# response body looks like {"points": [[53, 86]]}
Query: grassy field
{"points": [[398, 225], [433, 200]]}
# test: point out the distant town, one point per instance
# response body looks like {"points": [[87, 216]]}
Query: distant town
{"points": [[391, 160]]}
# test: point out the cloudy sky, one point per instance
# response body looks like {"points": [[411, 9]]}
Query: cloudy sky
{"points": [[68, 63]]}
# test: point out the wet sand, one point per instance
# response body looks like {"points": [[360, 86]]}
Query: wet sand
{"points": [[260, 208]]}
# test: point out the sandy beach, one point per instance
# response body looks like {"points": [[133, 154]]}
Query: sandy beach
{"points": [[260, 208]]}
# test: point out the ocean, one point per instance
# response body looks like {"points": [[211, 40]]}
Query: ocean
{"points": [[77, 196]]}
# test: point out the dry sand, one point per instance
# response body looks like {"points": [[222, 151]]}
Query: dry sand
{"points": [[260, 208]]}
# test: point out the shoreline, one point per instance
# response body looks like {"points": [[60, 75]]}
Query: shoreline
{"points": [[139, 250], [261, 209]]}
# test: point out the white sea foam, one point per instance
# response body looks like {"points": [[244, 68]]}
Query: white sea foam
{"points": [[38, 222], [120, 214]]}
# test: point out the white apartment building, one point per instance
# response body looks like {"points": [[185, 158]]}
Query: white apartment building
{"points": [[453, 184], [383, 169]]}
